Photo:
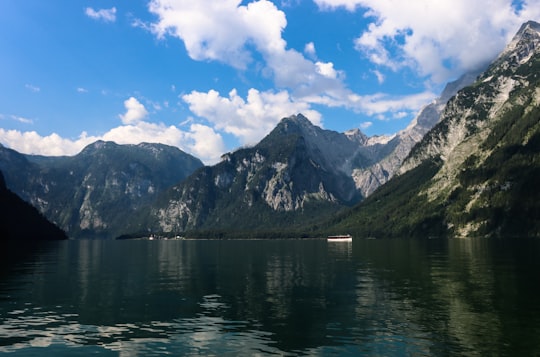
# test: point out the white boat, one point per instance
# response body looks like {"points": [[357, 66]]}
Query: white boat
{"points": [[340, 238]]}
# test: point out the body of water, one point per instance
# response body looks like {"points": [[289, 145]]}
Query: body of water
{"points": [[282, 297]]}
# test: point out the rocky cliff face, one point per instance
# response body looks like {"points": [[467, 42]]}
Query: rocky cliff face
{"points": [[95, 193]]}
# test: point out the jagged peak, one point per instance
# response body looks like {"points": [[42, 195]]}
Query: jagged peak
{"points": [[529, 27], [298, 124], [356, 135], [525, 43]]}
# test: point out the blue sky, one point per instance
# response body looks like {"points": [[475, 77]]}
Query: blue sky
{"points": [[211, 76]]}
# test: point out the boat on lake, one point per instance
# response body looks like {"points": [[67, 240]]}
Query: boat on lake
{"points": [[340, 238]]}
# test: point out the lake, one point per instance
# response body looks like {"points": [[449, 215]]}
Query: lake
{"points": [[272, 297]]}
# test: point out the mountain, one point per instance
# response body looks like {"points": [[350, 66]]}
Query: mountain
{"points": [[476, 172], [98, 191], [19, 221], [290, 177]]}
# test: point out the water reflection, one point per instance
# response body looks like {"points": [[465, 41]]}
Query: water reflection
{"points": [[431, 297]]}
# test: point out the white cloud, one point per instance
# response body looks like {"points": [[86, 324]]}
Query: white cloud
{"points": [[135, 111], [82, 90], [309, 49], [219, 30], [366, 125], [251, 119], [380, 76], [226, 31], [326, 69], [106, 15], [32, 88], [439, 39], [22, 119], [330, 4], [30, 142], [17, 118], [205, 143]]}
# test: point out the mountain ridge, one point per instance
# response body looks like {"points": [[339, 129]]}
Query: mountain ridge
{"points": [[475, 172]]}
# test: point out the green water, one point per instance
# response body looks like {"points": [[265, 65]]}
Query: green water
{"points": [[284, 297]]}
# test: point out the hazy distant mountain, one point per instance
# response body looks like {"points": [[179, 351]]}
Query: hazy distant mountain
{"points": [[19, 221], [96, 193], [476, 172]]}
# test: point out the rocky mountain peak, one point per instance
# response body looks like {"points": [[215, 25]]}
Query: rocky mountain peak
{"points": [[294, 124], [523, 46]]}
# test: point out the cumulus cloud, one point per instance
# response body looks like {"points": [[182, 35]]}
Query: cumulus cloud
{"points": [[250, 119], [205, 142], [106, 15], [135, 111], [326, 69], [451, 37], [228, 32], [219, 30]]}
